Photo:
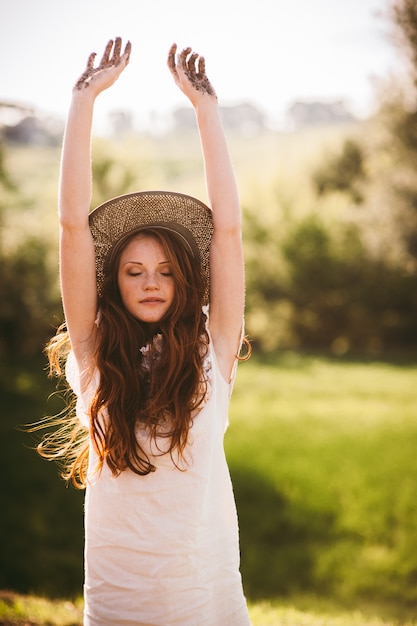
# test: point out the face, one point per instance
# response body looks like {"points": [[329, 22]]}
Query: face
{"points": [[145, 280]]}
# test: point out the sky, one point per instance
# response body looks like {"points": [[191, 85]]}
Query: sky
{"points": [[266, 52]]}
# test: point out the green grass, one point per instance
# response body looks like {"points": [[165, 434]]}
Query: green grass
{"points": [[268, 614], [18, 610], [322, 453]]}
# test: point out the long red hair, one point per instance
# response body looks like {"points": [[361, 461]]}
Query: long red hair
{"points": [[161, 389]]}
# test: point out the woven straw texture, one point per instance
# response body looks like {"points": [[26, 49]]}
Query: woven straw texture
{"points": [[178, 212]]}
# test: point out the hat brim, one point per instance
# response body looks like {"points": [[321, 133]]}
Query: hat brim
{"points": [[184, 215]]}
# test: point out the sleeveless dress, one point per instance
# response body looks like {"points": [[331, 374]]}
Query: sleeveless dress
{"points": [[163, 549]]}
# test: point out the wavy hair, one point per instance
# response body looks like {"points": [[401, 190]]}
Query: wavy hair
{"points": [[159, 388]]}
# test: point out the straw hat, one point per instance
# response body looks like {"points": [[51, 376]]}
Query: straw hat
{"points": [[189, 218]]}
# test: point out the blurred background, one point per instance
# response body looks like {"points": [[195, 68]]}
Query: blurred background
{"points": [[319, 103]]}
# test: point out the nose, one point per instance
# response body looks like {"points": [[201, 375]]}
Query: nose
{"points": [[151, 282]]}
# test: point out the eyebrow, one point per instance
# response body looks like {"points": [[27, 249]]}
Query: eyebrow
{"points": [[140, 263]]}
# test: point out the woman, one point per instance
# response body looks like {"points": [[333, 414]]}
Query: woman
{"points": [[153, 294]]}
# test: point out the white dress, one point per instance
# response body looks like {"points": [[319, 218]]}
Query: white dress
{"points": [[163, 549]]}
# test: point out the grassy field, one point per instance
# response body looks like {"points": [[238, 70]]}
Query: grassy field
{"points": [[322, 455], [18, 610]]}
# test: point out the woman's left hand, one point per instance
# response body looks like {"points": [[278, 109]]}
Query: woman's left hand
{"points": [[189, 71]]}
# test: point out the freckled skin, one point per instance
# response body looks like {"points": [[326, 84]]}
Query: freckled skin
{"points": [[145, 281]]}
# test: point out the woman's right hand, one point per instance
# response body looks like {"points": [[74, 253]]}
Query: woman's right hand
{"points": [[112, 64]]}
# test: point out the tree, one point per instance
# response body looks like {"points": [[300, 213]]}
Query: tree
{"points": [[404, 13], [399, 114], [28, 299], [344, 172]]}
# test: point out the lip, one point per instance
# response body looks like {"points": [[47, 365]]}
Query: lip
{"points": [[151, 300]]}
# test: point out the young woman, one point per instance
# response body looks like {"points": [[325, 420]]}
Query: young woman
{"points": [[153, 294]]}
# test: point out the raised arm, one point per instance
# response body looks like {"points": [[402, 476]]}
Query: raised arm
{"points": [[226, 257], [77, 261]]}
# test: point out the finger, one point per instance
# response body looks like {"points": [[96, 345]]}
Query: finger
{"points": [[85, 76], [116, 50], [106, 55], [128, 50], [201, 66], [171, 59], [89, 71], [191, 62], [90, 61], [183, 58]]}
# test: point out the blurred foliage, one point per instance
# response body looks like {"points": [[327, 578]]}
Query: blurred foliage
{"points": [[344, 172], [398, 116], [111, 177], [6, 182], [41, 524], [337, 295], [27, 281], [404, 13], [27, 306], [346, 278]]}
